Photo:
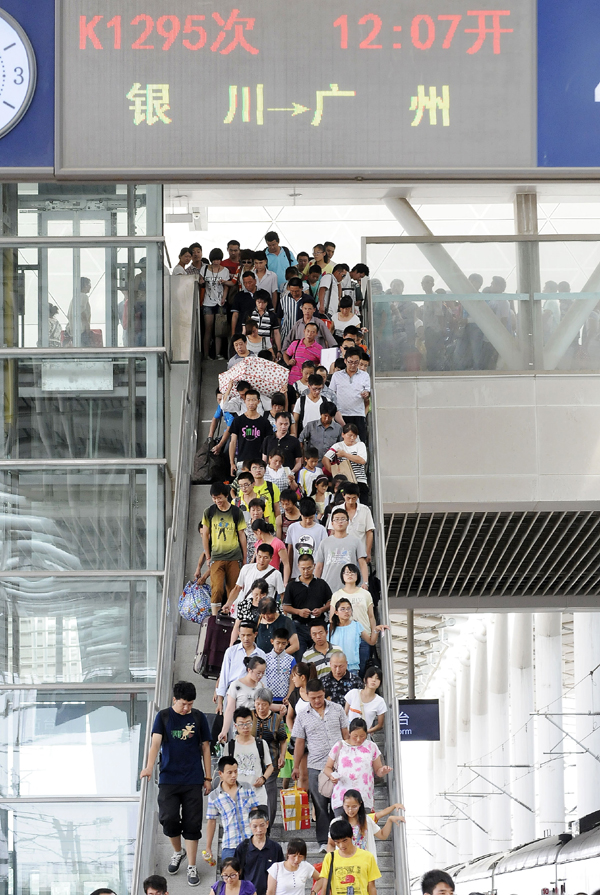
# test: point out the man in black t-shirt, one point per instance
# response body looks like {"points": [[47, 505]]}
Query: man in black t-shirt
{"points": [[247, 433], [305, 599], [282, 441], [182, 736]]}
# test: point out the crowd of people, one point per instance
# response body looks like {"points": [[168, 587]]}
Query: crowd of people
{"points": [[287, 548]]}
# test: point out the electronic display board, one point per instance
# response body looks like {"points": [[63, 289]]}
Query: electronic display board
{"points": [[340, 88], [419, 719]]}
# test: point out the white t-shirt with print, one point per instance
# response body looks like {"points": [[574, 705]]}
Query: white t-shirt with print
{"points": [[249, 768], [213, 283]]}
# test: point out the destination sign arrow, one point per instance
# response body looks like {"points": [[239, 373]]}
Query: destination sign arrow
{"points": [[295, 109]]}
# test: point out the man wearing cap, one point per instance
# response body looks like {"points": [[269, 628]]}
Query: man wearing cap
{"points": [[324, 336]]}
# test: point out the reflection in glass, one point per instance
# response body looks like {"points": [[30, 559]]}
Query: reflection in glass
{"points": [[68, 848], [61, 519], [70, 630], [71, 744], [424, 322], [70, 407]]}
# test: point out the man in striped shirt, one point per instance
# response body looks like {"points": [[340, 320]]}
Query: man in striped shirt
{"points": [[322, 651]]}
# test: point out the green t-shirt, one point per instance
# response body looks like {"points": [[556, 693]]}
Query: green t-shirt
{"points": [[224, 528]]}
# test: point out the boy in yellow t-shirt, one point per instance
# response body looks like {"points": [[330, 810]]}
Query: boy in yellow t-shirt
{"points": [[352, 866]]}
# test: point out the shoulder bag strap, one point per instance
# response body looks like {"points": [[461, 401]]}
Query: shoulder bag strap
{"points": [[330, 876]]}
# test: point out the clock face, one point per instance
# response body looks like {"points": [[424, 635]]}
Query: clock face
{"points": [[17, 72]]}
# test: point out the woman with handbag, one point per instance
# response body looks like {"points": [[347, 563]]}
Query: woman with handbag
{"points": [[358, 763], [349, 456]]}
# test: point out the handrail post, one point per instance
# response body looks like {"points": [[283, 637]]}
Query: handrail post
{"points": [[392, 725]]}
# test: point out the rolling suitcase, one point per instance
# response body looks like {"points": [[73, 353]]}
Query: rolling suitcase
{"points": [[213, 640]]}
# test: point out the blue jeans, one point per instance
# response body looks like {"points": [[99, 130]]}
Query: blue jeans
{"points": [[227, 853], [364, 651]]}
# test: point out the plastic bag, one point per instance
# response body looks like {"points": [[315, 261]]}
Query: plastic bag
{"points": [[194, 603]]}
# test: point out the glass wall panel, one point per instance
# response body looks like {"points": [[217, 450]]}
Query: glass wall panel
{"points": [[120, 209], [553, 325], [68, 848], [61, 519], [423, 325], [78, 630], [80, 408], [91, 297], [65, 743]]}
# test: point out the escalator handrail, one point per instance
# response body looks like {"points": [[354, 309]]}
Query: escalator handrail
{"points": [[392, 723]]}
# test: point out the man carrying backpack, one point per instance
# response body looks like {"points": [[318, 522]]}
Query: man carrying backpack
{"points": [[182, 736], [279, 258], [224, 542]]}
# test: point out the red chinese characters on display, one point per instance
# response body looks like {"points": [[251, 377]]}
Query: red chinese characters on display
{"points": [[232, 33], [425, 34]]}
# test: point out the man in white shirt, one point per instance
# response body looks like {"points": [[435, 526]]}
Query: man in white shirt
{"points": [[352, 388], [233, 667], [248, 575]]}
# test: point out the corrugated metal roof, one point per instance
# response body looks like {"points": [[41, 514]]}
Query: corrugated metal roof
{"points": [[581, 847], [534, 854], [494, 560]]}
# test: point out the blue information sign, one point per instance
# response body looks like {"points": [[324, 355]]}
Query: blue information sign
{"points": [[419, 719], [27, 96], [568, 83]]}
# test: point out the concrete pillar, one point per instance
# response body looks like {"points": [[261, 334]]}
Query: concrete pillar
{"points": [[522, 780], [463, 748], [499, 732], [587, 699], [480, 741], [548, 698], [450, 828]]}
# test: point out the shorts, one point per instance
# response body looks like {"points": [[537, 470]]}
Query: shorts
{"points": [[210, 310], [180, 810]]}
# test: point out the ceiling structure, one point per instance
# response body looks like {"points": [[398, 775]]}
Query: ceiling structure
{"points": [[179, 196]]}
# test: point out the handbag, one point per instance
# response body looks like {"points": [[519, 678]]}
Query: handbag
{"points": [[344, 467], [325, 784]]}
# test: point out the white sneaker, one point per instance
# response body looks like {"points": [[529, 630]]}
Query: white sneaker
{"points": [[175, 862], [322, 848]]}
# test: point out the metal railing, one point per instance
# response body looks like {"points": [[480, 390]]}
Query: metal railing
{"points": [[147, 826], [392, 723]]}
